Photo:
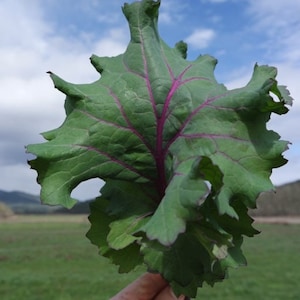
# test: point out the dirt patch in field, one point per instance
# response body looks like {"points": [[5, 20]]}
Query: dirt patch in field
{"points": [[8, 219], [278, 220], [84, 219], [67, 218]]}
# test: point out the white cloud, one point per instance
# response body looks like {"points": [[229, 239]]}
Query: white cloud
{"points": [[21, 180], [267, 11], [279, 21], [172, 11], [201, 38], [113, 43]]}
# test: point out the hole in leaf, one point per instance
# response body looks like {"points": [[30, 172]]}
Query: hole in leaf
{"points": [[209, 185], [88, 190], [274, 97]]}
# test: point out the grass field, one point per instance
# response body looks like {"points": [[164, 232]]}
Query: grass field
{"points": [[43, 258]]}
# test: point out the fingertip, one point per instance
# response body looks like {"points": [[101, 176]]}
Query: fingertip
{"points": [[167, 294], [181, 297]]}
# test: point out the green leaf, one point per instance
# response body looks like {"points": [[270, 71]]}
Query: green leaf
{"points": [[182, 157], [127, 257], [121, 232]]}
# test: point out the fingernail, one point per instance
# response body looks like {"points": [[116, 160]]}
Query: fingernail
{"points": [[181, 297]]}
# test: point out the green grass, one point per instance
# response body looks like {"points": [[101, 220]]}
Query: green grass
{"points": [[50, 258]]}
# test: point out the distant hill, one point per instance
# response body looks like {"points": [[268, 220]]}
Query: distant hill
{"points": [[24, 203], [78, 208], [15, 197], [285, 202]]}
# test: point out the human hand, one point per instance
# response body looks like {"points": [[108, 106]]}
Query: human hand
{"points": [[147, 287]]}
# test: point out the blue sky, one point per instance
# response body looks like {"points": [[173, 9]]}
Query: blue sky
{"points": [[60, 35]]}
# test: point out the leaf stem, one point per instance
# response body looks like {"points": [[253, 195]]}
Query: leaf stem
{"points": [[160, 153]]}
